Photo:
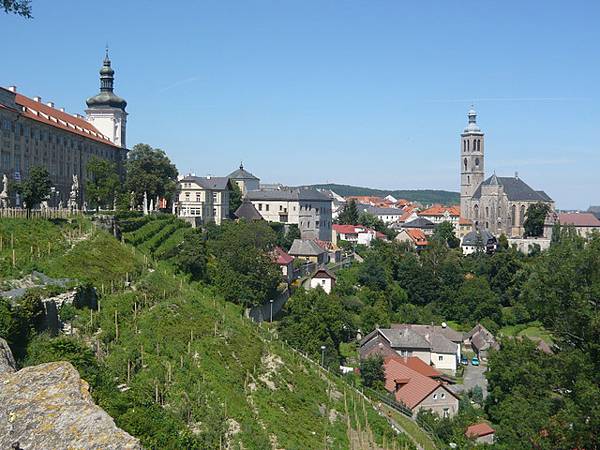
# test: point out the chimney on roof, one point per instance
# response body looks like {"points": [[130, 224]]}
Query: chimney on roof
{"points": [[61, 109], [37, 98], [12, 88], [517, 175], [50, 104]]}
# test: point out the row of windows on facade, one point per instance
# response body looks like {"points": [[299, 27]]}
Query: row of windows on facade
{"points": [[318, 224], [513, 217], [40, 135], [215, 196], [476, 145], [282, 209], [197, 212]]}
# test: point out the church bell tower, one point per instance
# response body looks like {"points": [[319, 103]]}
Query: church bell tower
{"points": [[471, 162], [106, 110]]}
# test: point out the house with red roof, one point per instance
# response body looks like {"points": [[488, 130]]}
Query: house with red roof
{"points": [[439, 213], [414, 236], [417, 391], [285, 263], [481, 432], [356, 234]]}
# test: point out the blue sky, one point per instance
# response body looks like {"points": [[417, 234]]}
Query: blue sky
{"points": [[370, 93]]}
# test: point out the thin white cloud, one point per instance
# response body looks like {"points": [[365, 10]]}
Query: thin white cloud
{"points": [[508, 99], [178, 83]]}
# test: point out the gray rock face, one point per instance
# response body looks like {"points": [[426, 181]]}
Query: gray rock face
{"points": [[7, 362], [49, 407]]}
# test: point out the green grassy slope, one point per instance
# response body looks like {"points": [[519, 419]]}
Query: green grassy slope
{"points": [[32, 241], [425, 196], [193, 373]]}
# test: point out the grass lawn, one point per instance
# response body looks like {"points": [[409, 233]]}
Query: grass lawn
{"points": [[533, 330], [411, 428]]}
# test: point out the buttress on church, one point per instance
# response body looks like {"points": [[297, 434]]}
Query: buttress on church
{"points": [[497, 204]]}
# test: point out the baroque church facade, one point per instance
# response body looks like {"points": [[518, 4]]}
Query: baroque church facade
{"points": [[497, 204]]}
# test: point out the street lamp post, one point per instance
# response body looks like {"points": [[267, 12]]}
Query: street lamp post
{"points": [[271, 302], [322, 356]]}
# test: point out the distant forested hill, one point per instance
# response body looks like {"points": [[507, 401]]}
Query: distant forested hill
{"points": [[425, 196]]}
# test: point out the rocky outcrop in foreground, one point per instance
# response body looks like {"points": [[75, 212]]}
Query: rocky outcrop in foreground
{"points": [[7, 362], [49, 407]]}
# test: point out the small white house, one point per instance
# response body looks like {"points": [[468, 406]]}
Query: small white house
{"points": [[324, 278]]}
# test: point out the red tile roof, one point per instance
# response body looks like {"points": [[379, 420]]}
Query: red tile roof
{"points": [[440, 210], [417, 236], [345, 229], [281, 257], [463, 221], [43, 113], [579, 219], [413, 391], [479, 430], [407, 213], [418, 365]]}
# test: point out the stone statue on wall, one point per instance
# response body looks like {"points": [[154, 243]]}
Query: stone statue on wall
{"points": [[4, 193], [74, 195]]}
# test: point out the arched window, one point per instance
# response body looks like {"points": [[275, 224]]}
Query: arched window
{"points": [[487, 212], [476, 210], [476, 162], [478, 144], [465, 164], [468, 179], [487, 224], [522, 215], [464, 146], [468, 146], [513, 213]]}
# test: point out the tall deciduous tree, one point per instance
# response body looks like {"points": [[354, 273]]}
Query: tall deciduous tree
{"points": [[102, 184], [150, 170], [535, 217], [19, 7], [372, 371], [242, 267], [35, 188], [444, 232], [235, 199]]}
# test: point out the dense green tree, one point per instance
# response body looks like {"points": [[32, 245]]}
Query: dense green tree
{"points": [[242, 267], [150, 170], [473, 301], [372, 372], [35, 188], [190, 256], [235, 199], [19, 7], [349, 214], [444, 232], [313, 319], [373, 273], [103, 183], [534, 219]]}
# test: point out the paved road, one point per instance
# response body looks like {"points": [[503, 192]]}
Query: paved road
{"points": [[473, 376]]}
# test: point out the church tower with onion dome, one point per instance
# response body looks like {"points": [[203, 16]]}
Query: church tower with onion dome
{"points": [[106, 110]]}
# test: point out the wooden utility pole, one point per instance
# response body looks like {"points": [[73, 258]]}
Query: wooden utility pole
{"points": [[116, 325]]}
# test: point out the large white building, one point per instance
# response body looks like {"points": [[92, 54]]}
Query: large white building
{"points": [[38, 133], [305, 207], [203, 200]]}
